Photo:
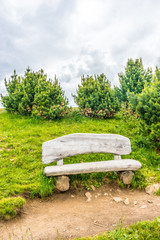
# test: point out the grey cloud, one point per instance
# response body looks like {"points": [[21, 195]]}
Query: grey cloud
{"points": [[66, 78], [44, 38], [97, 65], [94, 63], [50, 26], [158, 62], [140, 33], [37, 39]]}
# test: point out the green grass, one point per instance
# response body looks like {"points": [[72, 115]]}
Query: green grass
{"points": [[9, 207], [21, 138], [147, 230]]}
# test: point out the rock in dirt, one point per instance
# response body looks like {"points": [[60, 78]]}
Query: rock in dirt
{"points": [[118, 190], [89, 196], [126, 177], [135, 202], [93, 187], [105, 194], [117, 199], [62, 183], [151, 189], [144, 206], [126, 201]]}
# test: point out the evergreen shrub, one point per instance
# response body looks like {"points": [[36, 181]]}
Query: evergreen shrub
{"points": [[133, 80], [34, 95], [95, 97], [148, 108]]}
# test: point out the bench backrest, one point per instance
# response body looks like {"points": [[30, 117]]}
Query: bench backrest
{"points": [[82, 143]]}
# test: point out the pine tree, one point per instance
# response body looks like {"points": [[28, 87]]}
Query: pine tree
{"points": [[134, 78], [33, 94]]}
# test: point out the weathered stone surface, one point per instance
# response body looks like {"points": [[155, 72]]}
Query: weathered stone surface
{"points": [[93, 187], [126, 177], [143, 206], [126, 201], [151, 189], [117, 199], [89, 196], [105, 194], [62, 183], [118, 190]]}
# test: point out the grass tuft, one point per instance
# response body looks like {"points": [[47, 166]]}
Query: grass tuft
{"points": [[146, 230], [9, 207]]}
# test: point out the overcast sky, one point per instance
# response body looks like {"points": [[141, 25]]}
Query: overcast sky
{"points": [[70, 38]]}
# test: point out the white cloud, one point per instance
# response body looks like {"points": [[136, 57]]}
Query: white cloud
{"points": [[75, 37]]}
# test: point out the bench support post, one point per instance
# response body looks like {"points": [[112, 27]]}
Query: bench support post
{"points": [[60, 162], [117, 157], [62, 182]]}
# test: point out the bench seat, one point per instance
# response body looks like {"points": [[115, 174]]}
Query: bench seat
{"points": [[89, 167]]}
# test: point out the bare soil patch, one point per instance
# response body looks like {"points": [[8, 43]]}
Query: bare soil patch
{"points": [[70, 214]]}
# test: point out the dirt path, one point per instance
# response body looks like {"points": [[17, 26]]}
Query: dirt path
{"points": [[69, 215]]}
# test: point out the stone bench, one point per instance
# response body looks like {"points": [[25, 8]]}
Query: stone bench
{"points": [[83, 143]]}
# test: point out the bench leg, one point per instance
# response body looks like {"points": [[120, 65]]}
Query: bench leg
{"points": [[117, 157], [60, 162], [126, 177], [62, 183]]}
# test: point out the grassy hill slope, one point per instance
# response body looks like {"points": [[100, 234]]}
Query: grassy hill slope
{"points": [[21, 168]]}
